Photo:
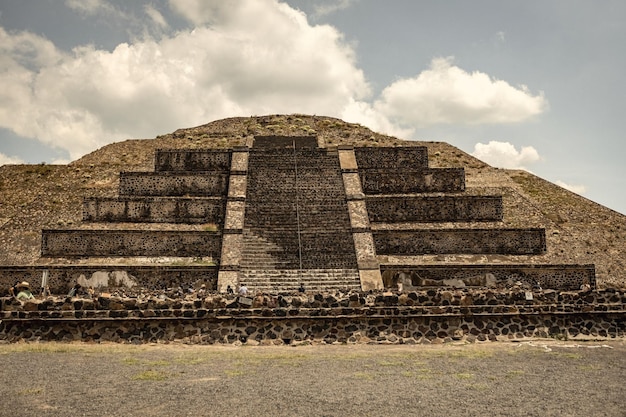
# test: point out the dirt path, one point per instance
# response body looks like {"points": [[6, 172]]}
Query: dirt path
{"points": [[539, 378]]}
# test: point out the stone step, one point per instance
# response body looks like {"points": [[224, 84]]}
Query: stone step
{"points": [[312, 279]]}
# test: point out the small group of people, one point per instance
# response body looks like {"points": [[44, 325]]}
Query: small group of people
{"points": [[22, 291], [243, 290]]}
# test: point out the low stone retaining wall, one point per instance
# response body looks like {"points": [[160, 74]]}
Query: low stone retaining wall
{"points": [[434, 316]]}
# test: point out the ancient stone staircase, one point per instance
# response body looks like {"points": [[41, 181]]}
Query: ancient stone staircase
{"points": [[297, 228]]}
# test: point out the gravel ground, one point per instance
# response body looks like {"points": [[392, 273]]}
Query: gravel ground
{"points": [[536, 378]]}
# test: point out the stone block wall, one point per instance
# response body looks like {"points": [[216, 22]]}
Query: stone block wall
{"points": [[460, 241], [431, 209], [155, 210], [176, 160], [410, 181], [416, 317], [393, 158], [113, 278], [84, 243], [562, 277], [161, 184]]}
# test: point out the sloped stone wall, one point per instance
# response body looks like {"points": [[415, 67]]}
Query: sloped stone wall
{"points": [[394, 158], [155, 210], [409, 181], [433, 209], [176, 160], [127, 278], [69, 243], [462, 241], [561, 277], [160, 184]]}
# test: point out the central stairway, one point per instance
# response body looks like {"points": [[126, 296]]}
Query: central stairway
{"points": [[297, 227]]}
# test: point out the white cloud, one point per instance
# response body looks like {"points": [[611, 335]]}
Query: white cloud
{"points": [[578, 189], [242, 58], [89, 7], [330, 7], [363, 113], [505, 155], [4, 159], [257, 57], [447, 94], [156, 16]]}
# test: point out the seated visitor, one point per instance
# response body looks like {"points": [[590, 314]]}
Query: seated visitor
{"points": [[24, 291]]}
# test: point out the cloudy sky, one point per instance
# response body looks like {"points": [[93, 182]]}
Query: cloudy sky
{"points": [[533, 84]]}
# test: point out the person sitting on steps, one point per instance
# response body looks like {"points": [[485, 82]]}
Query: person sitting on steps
{"points": [[24, 291]]}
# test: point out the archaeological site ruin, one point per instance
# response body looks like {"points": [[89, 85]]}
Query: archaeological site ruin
{"points": [[340, 234]]}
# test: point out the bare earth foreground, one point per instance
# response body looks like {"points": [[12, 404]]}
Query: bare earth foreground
{"points": [[531, 378]]}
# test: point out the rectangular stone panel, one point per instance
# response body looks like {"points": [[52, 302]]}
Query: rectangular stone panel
{"points": [[177, 160], [461, 208], [173, 184], [561, 277], [460, 241], [155, 210], [151, 277], [71, 243], [408, 181], [401, 157]]}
